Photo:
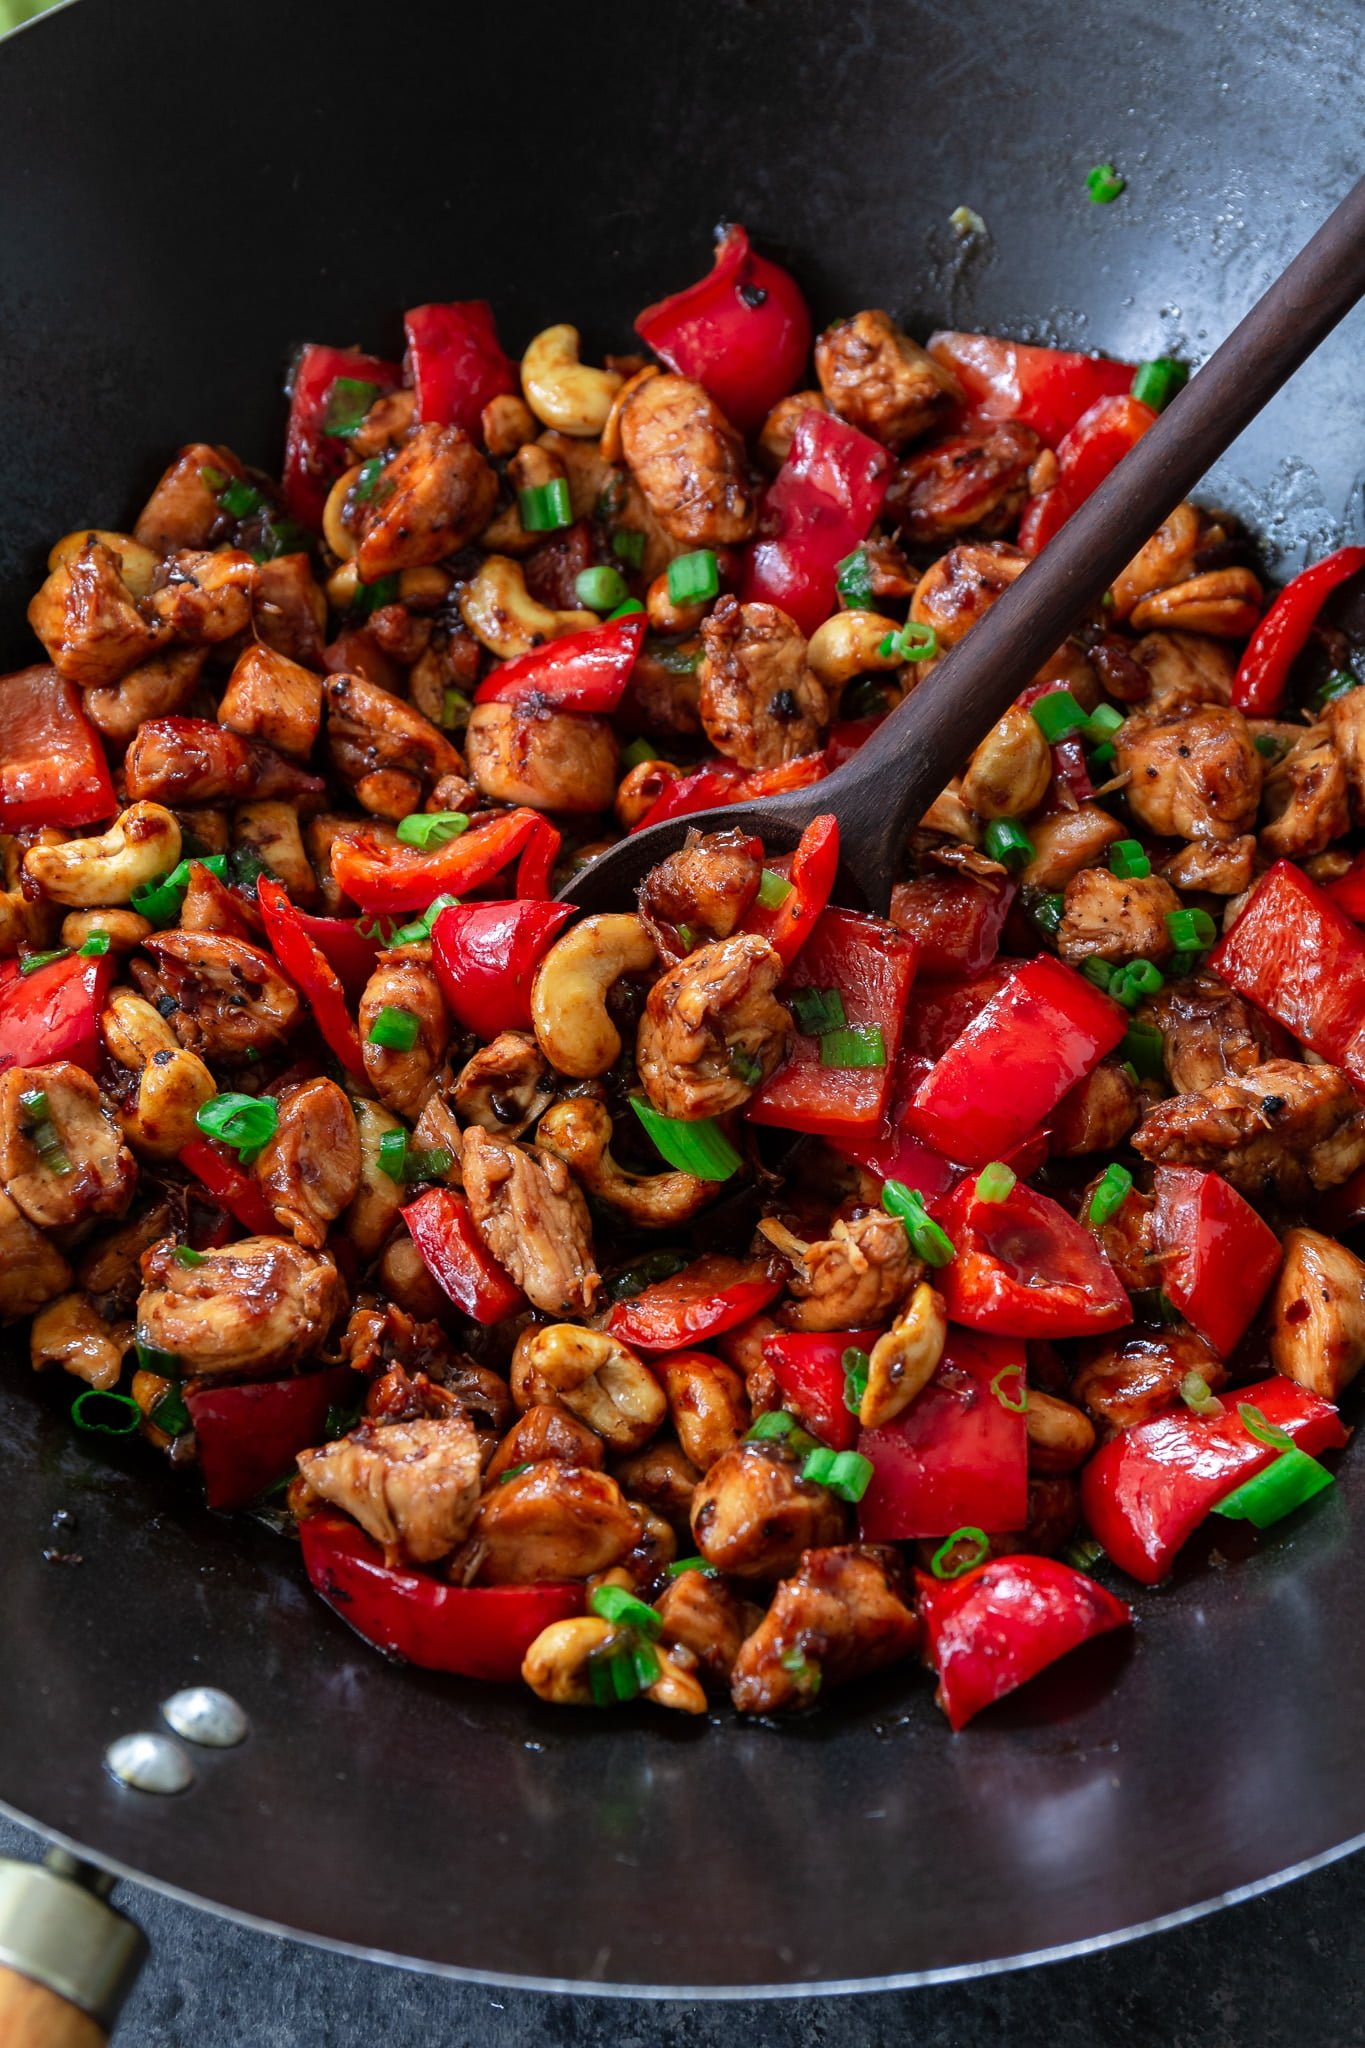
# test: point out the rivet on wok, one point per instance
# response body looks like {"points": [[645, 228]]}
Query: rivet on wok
{"points": [[206, 1715], [149, 1763]]}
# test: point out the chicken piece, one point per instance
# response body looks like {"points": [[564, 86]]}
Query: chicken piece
{"points": [[506, 1087], [968, 483], [404, 981], [761, 703], [413, 1486], [109, 1266], [32, 1270], [156, 688], [183, 510], [701, 1615], [1097, 1114], [530, 1212], [61, 1156], [1127, 1239], [1278, 1128], [553, 1522], [1131, 1377], [1192, 774], [753, 1514], [230, 1000], [961, 586], [1108, 917], [208, 905], [689, 463], [709, 885], [270, 698], [73, 1334], [385, 426], [853, 1279], [877, 378], [369, 729], [547, 1432], [842, 1615], [426, 1377], [712, 1030], [663, 1477], [1066, 841], [1317, 1314], [663, 695], [551, 760], [288, 611], [439, 493], [310, 1169], [87, 619], [193, 761], [1210, 1033], [1344, 718], [256, 1307], [1184, 670], [1213, 868], [204, 597], [1306, 798]]}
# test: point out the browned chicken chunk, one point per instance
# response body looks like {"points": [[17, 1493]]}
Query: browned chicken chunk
{"points": [[964, 484], [1218, 868], [1110, 917], [689, 462], [183, 510], [709, 886], [413, 1486], [1317, 1314], [1278, 1128], [310, 1169], [32, 1270], [256, 1307], [701, 1615], [853, 1279], [753, 1514], [194, 761], [61, 1156], [506, 1086], [270, 698], [842, 1615], [369, 729], [961, 586], [1208, 1033], [87, 619], [1192, 773], [532, 1216], [876, 377], [1306, 798], [1097, 1114], [1132, 1376], [713, 1030], [554, 1522], [761, 703], [230, 999], [404, 981], [440, 492]]}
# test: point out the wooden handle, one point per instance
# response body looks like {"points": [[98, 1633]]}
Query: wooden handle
{"points": [[31, 2016]]}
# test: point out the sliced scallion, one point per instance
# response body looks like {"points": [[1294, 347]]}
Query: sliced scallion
{"points": [[1007, 842], [601, 589], [245, 1122], [106, 1414], [699, 1147], [427, 829], [1157, 382], [931, 1243], [946, 1564], [996, 1182], [615, 1604], [395, 1029], [773, 890], [1016, 1400], [857, 1045], [817, 1010], [545, 508], [1112, 1190], [1286, 1483], [348, 401]]}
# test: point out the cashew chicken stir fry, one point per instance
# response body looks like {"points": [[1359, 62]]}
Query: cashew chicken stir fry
{"points": [[735, 1294]]}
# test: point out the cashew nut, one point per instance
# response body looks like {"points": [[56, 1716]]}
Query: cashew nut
{"points": [[561, 391], [578, 1131], [595, 1376], [668, 614], [137, 564], [124, 929], [142, 843], [134, 1030], [568, 995], [708, 1404], [1164, 559], [558, 1664], [23, 922], [1009, 773], [1225, 602], [505, 423], [342, 587], [160, 1122], [335, 531], [70, 1333], [504, 617], [903, 1361], [639, 791], [850, 644], [1060, 1436]]}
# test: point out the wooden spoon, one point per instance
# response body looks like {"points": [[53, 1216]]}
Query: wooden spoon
{"points": [[883, 792]]}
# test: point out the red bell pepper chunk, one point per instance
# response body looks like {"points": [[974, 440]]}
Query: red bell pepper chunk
{"points": [[535, 869], [248, 1436], [942, 1010], [1026, 1268], [469, 1631], [1146, 1491], [847, 737], [811, 874], [709, 1296], [54, 1013], [955, 921], [351, 955], [238, 1191], [458, 1260], [1071, 784], [1218, 1257], [1263, 673], [1098, 442], [53, 769], [455, 362], [1044, 1031], [1047, 388], [721, 782], [809, 1368], [311, 972], [993, 1629], [1348, 891], [822, 502], [313, 457], [585, 671], [872, 968], [892, 1153], [1043, 517], [1299, 958], [390, 879], [485, 955], [743, 332], [957, 1457]]}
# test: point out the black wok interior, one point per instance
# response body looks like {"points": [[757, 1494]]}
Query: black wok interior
{"points": [[190, 192]]}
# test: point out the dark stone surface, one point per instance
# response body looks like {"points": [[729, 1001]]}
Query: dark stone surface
{"points": [[1283, 1969]]}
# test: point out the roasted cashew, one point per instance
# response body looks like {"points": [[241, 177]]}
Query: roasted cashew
{"points": [[70, 1332], [707, 1401], [561, 391], [137, 564], [504, 617], [850, 644], [558, 1663], [568, 995], [142, 843], [506, 422], [124, 929], [342, 587], [1165, 559], [1008, 775], [1224, 602], [640, 789], [134, 1030], [335, 531], [1060, 1435], [578, 1131], [595, 1376], [160, 1122], [903, 1361]]}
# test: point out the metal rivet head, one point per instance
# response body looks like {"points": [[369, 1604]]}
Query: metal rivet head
{"points": [[149, 1763], [206, 1715]]}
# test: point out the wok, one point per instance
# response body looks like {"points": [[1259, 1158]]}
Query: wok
{"points": [[188, 194]]}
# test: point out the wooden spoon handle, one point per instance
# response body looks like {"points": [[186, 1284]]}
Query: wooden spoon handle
{"points": [[67, 1958], [31, 2016]]}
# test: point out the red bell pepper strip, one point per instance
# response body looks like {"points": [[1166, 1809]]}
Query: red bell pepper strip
{"points": [[822, 502], [722, 782], [954, 920], [469, 1631], [1044, 516], [871, 966], [809, 1368], [998, 1626], [238, 1191], [1299, 958], [942, 1010], [247, 1436], [712, 1294], [390, 879], [585, 671], [313, 457], [811, 875], [455, 362], [1026, 1268], [1263, 673], [957, 1457], [54, 1013], [312, 974], [1044, 1031], [1348, 891], [53, 769], [485, 955], [1098, 442], [1146, 1491], [351, 955], [1218, 1257], [441, 1227], [892, 1153], [1071, 784], [535, 869], [1047, 388], [743, 332]]}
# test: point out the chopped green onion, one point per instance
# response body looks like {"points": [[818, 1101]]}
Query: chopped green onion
{"points": [[600, 589], [42, 1131], [1128, 861], [431, 828], [245, 867], [995, 1183], [628, 546], [1157, 382], [858, 1045], [745, 1066], [614, 1675], [1103, 722], [89, 1406], [245, 1122], [1104, 184], [31, 962], [638, 752], [1143, 1046], [673, 657], [626, 610], [395, 1029], [392, 1155], [867, 697], [914, 642], [773, 890], [95, 946], [853, 581], [427, 1163], [1151, 1305], [455, 706], [1057, 715], [1084, 1554], [802, 1668], [419, 930], [152, 1358], [1008, 843], [1127, 1067], [1338, 683], [212, 479], [1103, 756], [1264, 1431], [775, 1425], [367, 483], [931, 1243], [544, 508], [239, 499], [1112, 1190], [1197, 1394], [514, 1472], [687, 938], [693, 578], [1128, 985], [1266, 743], [690, 1564], [372, 597], [857, 1365], [615, 1604], [159, 902], [1047, 913], [186, 1255], [1190, 930], [646, 1662], [980, 1549], [1101, 972], [1016, 1406], [817, 1010], [1285, 1484], [348, 401], [1181, 964], [847, 1474], [169, 1413], [699, 1147]]}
